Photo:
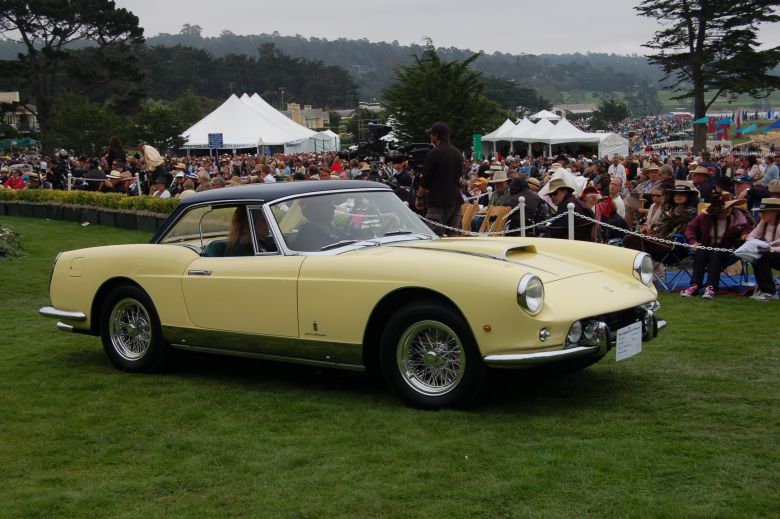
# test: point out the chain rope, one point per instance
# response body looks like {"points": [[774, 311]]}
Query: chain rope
{"points": [[550, 220]]}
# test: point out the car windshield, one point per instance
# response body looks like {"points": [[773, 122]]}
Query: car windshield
{"points": [[334, 220]]}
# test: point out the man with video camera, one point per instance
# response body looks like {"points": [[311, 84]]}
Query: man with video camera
{"points": [[439, 190]]}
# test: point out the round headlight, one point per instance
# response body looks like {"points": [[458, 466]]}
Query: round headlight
{"points": [[530, 294], [643, 268], [589, 331], [575, 333]]}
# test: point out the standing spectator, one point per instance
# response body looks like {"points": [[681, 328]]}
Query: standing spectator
{"points": [[153, 163], [440, 180], [617, 170], [115, 152]]}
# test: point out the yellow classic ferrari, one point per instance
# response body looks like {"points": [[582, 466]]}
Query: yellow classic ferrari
{"points": [[343, 274]]}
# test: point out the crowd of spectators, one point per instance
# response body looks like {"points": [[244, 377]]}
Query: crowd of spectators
{"points": [[705, 200]]}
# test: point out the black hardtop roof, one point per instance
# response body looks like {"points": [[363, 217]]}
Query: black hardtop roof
{"points": [[271, 192]]}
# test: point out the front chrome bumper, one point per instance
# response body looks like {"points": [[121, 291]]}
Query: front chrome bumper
{"points": [[603, 341]]}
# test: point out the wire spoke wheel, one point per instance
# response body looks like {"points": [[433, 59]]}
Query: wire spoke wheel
{"points": [[130, 329], [431, 358]]}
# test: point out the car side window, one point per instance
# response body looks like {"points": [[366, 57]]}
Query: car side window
{"points": [[264, 240]]}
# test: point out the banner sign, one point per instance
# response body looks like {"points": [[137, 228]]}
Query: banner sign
{"points": [[477, 145], [215, 141]]}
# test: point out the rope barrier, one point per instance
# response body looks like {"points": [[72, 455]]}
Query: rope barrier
{"points": [[584, 217]]}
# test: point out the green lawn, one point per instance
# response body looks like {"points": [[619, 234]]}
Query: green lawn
{"points": [[689, 428]]}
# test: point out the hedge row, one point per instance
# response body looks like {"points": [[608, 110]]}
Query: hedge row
{"points": [[92, 198]]}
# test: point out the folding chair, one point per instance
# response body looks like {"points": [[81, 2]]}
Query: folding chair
{"points": [[467, 212], [681, 266], [495, 219]]}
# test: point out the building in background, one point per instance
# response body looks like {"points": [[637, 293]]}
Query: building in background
{"points": [[312, 118], [20, 116]]}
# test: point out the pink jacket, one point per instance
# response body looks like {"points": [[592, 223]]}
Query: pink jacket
{"points": [[759, 233]]}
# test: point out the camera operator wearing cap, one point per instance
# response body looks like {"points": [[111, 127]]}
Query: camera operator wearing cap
{"points": [[439, 186]]}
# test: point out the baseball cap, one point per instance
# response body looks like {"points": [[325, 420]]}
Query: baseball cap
{"points": [[438, 128]]}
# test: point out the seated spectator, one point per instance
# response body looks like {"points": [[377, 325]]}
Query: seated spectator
{"points": [[615, 193], [562, 194], [160, 188], [536, 209], [14, 181], [672, 218], [718, 226], [767, 230]]}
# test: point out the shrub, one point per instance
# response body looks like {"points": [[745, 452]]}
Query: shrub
{"points": [[10, 246], [93, 199]]}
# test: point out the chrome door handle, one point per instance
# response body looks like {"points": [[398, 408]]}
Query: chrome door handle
{"points": [[198, 272]]}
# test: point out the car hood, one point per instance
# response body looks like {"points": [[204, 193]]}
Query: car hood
{"points": [[548, 266]]}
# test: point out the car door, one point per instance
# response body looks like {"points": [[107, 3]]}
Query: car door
{"points": [[255, 294]]}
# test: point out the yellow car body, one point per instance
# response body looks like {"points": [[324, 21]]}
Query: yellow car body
{"points": [[331, 308]]}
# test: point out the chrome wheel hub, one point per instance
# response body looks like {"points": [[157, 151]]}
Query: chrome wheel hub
{"points": [[431, 358], [130, 329]]}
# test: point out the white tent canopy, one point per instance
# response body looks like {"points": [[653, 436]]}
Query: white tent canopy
{"points": [[545, 114], [249, 122], [499, 134], [521, 131], [561, 133], [611, 143]]}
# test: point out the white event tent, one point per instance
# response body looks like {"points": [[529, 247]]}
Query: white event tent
{"points": [[545, 114], [250, 122], [563, 132], [499, 134]]}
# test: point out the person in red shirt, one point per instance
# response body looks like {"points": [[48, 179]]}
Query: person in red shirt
{"points": [[14, 181]]}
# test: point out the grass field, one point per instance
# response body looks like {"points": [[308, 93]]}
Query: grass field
{"points": [[689, 428]]}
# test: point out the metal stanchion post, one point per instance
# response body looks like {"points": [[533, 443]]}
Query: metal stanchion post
{"points": [[570, 207], [70, 179], [138, 184], [521, 203]]}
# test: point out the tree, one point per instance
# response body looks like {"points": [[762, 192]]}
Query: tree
{"points": [[610, 111], [710, 48], [510, 95], [82, 126], [431, 89], [48, 30], [159, 125]]}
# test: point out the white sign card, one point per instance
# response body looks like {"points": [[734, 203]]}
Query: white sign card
{"points": [[629, 341]]}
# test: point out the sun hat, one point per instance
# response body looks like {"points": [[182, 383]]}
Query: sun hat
{"points": [[114, 175], [498, 176], [480, 182], [495, 168], [683, 186], [701, 170], [774, 186], [365, 167], [769, 204], [534, 182], [652, 167], [558, 183]]}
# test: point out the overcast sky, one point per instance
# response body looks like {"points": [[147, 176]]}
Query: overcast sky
{"points": [[513, 26]]}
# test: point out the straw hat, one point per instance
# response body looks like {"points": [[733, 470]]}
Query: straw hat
{"points": [[769, 204], [683, 186], [180, 165], [114, 175], [556, 184], [701, 170], [495, 168], [499, 176], [534, 182], [774, 186]]}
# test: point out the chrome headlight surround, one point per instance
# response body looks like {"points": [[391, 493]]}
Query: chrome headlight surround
{"points": [[643, 268], [530, 294]]}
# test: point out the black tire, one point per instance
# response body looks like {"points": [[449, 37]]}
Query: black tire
{"points": [[131, 333], [444, 370]]}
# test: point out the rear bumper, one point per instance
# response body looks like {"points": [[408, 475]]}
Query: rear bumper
{"points": [[55, 313], [603, 341]]}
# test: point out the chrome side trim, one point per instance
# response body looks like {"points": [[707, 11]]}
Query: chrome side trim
{"points": [[64, 327], [287, 349], [50, 311], [511, 360], [264, 356]]}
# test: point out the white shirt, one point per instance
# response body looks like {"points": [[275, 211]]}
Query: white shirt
{"points": [[618, 171], [162, 194], [620, 206], [269, 178]]}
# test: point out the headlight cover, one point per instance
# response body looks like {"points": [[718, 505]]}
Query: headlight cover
{"points": [[643, 268], [530, 294]]}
